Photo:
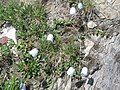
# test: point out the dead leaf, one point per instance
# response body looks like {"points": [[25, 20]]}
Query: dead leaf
{"points": [[89, 44], [3, 40]]}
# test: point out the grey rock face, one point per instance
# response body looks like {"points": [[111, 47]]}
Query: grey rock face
{"points": [[110, 9], [108, 77]]}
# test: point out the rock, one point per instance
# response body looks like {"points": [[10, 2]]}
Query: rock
{"points": [[108, 55], [6, 24], [50, 37], [108, 13], [68, 85], [91, 24], [59, 12], [80, 6], [72, 11], [89, 45], [94, 69], [9, 32], [84, 72], [109, 8], [90, 81], [70, 71], [59, 82], [34, 52]]}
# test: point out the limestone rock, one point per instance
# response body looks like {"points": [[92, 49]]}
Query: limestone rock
{"points": [[109, 8]]}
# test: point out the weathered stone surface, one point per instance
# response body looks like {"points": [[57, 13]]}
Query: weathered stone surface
{"points": [[109, 8], [111, 69], [108, 54], [57, 11]]}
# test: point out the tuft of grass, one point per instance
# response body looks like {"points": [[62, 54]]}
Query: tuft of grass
{"points": [[11, 84], [100, 32], [63, 23], [29, 68], [6, 54], [88, 4]]}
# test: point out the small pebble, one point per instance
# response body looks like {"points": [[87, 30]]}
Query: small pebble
{"points": [[50, 37], [6, 24], [34, 52], [80, 6], [72, 11], [91, 24], [70, 71], [84, 72], [90, 81]]}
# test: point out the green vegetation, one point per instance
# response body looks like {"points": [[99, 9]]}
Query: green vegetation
{"points": [[11, 84], [101, 32], [29, 68], [88, 4], [53, 58], [27, 19]]}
